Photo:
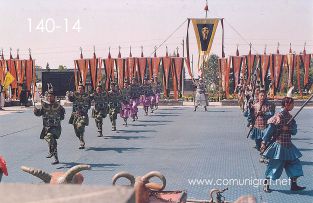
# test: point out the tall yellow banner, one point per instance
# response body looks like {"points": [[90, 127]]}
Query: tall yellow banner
{"points": [[205, 30]]}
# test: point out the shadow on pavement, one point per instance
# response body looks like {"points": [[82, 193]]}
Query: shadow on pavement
{"points": [[124, 137], [145, 125], [304, 192], [136, 131], [164, 115], [118, 150], [154, 121], [67, 165]]}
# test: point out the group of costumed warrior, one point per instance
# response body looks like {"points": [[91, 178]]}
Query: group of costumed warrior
{"points": [[271, 132], [114, 101]]}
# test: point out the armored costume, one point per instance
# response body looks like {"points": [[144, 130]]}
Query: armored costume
{"points": [[125, 103], [147, 97], [240, 90], [79, 117], [282, 154], [115, 97], [135, 92], [157, 92], [52, 114], [201, 97], [100, 110], [258, 115]]}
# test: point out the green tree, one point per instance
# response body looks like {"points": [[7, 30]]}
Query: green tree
{"points": [[211, 72]]}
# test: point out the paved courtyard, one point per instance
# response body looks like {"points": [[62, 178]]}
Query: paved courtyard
{"points": [[189, 148]]}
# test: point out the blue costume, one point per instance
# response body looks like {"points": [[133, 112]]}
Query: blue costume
{"points": [[282, 154], [259, 114]]}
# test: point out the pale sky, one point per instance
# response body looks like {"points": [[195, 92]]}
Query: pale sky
{"points": [[147, 23]]}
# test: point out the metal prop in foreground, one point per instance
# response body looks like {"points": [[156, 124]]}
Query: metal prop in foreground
{"points": [[71, 176], [149, 192]]}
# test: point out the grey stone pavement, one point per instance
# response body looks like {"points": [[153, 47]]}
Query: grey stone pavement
{"points": [[182, 144]]}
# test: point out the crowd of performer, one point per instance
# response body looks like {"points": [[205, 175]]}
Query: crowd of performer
{"points": [[271, 132], [112, 101]]}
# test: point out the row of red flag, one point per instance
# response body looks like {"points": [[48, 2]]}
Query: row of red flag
{"points": [[272, 65], [122, 69], [22, 70]]}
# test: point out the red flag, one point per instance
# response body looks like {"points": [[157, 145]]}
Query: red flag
{"points": [[277, 64], [224, 69], [142, 63], [155, 65], [150, 68], [250, 62], [82, 66], [120, 63], [178, 64], [265, 64], [131, 64], [306, 60], [2, 71], [109, 70], [166, 69], [236, 63], [94, 66], [298, 74], [30, 64], [291, 66]]}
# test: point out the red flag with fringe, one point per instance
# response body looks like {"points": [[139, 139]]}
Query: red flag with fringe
{"points": [[109, 70], [179, 64], [166, 69], [94, 66], [131, 65], [250, 59], [142, 63], [277, 64], [224, 70], [30, 73], [236, 64], [291, 67], [82, 67], [265, 64], [306, 60], [156, 64], [298, 74], [120, 64]]}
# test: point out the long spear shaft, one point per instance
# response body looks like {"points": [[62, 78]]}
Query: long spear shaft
{"points": [[303, 105]]}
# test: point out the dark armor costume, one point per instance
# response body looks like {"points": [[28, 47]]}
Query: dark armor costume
{"points": [[52, 114], [114, 106], [79, 117], [100, 111]]}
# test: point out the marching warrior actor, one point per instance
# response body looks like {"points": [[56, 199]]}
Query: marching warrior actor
{"points": [[114, 96], [240, 90], [258, 115], [125, 103], [52, 113], [201, 97], [147, 95], [282, 154], [135, 91], [157, 92], [79, 117], [100, 111]]}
